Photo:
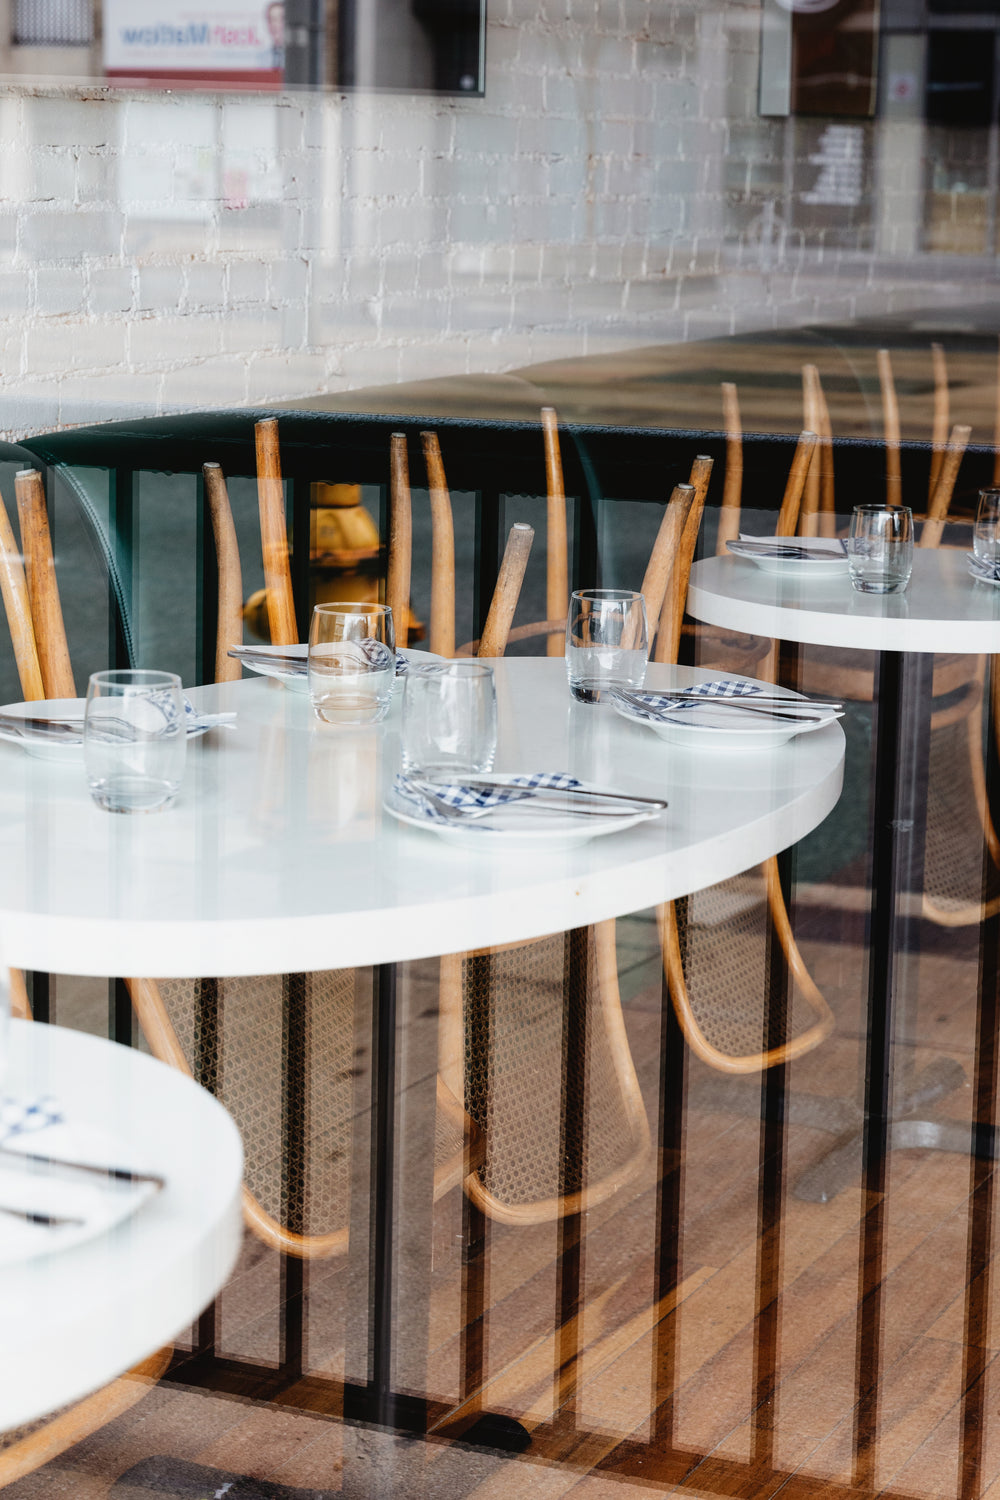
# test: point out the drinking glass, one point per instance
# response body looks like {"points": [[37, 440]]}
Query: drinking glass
{"points": [[607, 642], [880, 548], [134, 739], [352, 662], [986, 536], [449, 719]]}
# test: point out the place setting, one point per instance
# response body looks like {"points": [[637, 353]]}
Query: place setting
{"points": [[446, 784], [984, 560], [812, 557], [63, 1180], [606, 661]]}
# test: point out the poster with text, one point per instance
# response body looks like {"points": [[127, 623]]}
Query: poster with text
{"points": [[233, 42]]}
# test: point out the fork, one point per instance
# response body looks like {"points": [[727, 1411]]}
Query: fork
{"points": [[539, 801]]}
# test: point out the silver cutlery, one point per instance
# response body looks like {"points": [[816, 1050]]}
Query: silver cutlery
{"points": [[55, 1165], [750, 700], [739, 705], [35, 1216], [568, 800]]}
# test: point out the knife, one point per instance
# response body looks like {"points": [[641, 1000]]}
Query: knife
{"points": [[537, 794]]}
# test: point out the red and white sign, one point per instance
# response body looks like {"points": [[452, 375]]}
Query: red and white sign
{"points": [[229, 42]]}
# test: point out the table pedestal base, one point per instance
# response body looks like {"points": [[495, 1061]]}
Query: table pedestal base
{"points": [[845, 1118]]}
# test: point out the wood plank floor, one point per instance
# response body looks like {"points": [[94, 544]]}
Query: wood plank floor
{"points": [[583, 1389]]}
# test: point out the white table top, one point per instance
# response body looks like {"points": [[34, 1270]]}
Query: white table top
{"points": [[277, 855], [943, 608], [72, 1321]]}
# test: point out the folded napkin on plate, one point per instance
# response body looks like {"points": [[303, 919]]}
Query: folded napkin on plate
{"points": [[473, 799], [655, 706], [20, 1117], [823, 548], [980, 568]]}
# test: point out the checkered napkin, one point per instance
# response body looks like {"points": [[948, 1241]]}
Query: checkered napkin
{"points": [[656, 706], [471, 799], [19, 1117], [979, 568]]}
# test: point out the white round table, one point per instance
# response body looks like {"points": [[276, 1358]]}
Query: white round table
{"points": [[942, 609], [73, 1320], [278, 856]]}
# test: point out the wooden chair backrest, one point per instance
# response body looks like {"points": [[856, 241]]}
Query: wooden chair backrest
{"points": [[497, 631], [229, 618], [274, 536]]}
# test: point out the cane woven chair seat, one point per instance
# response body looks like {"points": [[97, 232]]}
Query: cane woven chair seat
{"points": [[506, 1016], [239, 1045], [716, 947]]}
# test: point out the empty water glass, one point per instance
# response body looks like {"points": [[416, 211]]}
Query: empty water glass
{"points": [[352, 662], [449, 719], [134, 739], [986, 536], [607, 642], [880, 548]]}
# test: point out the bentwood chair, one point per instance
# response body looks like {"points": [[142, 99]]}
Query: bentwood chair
{"points": [[504, 1010], [27, 1448], [958, 818], [715, 944], [235, 1028]]}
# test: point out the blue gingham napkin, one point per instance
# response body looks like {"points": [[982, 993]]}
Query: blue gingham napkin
{"points": [[655, 706], [19, 1117], [471, 799], [979, 568]]}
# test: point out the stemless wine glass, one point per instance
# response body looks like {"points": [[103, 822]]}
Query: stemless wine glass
{"points": [[607, 642], [449, 719], [880, 548], [352, 662], [986, 536], [134, 739]]}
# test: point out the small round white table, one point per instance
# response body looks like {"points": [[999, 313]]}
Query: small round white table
{"points": [[278, 856], [73, 1320], [944, 609]]}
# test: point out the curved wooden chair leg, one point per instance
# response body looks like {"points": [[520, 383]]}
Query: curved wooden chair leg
{"points": [[939, 425], [663, 558], [788, 516], [496, 631], [43, 590], [274, 536], [557, 550], [732, 489], [937, 510], [890, 421], [42, 1444], [442, 626], [811, 421], [397, 579], [17, 606], [229, 615]]}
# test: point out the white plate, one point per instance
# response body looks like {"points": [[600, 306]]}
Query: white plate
{"points": [[300, 683], [981, 577], [716, 728], [835, 566], [515, 830], [100, 1205], [58, 708]]}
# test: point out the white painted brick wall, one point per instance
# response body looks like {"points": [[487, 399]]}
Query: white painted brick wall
{"points": [[614, 188]]}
